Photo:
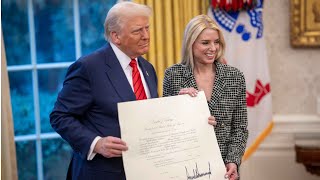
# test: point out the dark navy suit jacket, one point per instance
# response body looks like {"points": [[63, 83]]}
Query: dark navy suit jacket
{"points": [[86, 107]]}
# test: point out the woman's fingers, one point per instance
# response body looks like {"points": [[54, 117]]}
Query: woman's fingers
{"points": [[212, 121], [191, 91], [232, 172]]}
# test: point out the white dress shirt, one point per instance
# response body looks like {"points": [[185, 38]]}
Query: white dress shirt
{"points": [[127, 69]]}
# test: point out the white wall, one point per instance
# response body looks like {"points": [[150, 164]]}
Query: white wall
{"points": [[295, 72], [295, 88], [275, 159]]}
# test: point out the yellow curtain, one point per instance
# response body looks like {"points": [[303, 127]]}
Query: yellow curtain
{"points": [[8, 150], [166, 30]]}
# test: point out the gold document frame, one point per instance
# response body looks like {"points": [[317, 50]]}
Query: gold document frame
{"points": [[305, 23]]}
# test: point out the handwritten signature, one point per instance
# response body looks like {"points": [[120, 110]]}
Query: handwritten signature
{"points": [[197, 174]]}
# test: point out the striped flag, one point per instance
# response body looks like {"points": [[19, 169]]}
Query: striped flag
{"points": [[246, 50]]}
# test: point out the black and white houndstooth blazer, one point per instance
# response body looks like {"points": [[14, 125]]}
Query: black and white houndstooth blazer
{"points": [[227, 105]]}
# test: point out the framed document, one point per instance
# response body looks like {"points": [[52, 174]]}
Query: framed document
{"points": [[305, 23], [170, 139]]}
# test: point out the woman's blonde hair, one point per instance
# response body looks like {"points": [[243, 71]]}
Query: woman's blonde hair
{"points": [[191, 33]]}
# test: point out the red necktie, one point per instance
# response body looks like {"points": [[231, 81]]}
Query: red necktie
{"points": [[137, 82]]}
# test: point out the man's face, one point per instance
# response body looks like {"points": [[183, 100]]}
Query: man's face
{"points": [[134, 37]]}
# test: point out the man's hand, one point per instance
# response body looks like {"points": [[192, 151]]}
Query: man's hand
{"points": [[110, 147], [232, 172]]}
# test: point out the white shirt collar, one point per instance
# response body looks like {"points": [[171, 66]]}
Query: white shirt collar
{"points": [[121, 56], [124, 62]]}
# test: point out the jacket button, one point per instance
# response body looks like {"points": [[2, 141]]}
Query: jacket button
{"points": [[222, 124]]}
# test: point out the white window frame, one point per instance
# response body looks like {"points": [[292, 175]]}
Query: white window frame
{"points": [[38, 136]]}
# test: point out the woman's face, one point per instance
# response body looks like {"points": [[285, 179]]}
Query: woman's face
{"points": [[206, 47]]}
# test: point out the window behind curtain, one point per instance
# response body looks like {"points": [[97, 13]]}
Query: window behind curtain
{"points": [[42, 38]]}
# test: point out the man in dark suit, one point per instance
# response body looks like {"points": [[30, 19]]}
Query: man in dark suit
{"points": [[85, 113]]}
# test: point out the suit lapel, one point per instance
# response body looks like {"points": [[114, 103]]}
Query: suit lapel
{"points": [[218, 87], [117, 77], [189, 78], [148, 77], [218, 84]]}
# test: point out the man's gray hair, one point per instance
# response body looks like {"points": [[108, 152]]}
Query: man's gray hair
{"points": [[119, 14]]}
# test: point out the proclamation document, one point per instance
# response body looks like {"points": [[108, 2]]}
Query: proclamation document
{"points": [[169, 138]]}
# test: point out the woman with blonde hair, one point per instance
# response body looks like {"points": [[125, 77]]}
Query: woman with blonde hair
{"points": [[201, 68]]}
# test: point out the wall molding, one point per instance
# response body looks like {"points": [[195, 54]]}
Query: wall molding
{"points": [[288, 131]]}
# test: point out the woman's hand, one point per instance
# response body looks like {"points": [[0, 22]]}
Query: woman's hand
{"points": [[232, 172], [191, 91], [212, 121]]}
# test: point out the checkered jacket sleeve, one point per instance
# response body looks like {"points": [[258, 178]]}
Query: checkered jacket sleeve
{"points": [[227, 105]]}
